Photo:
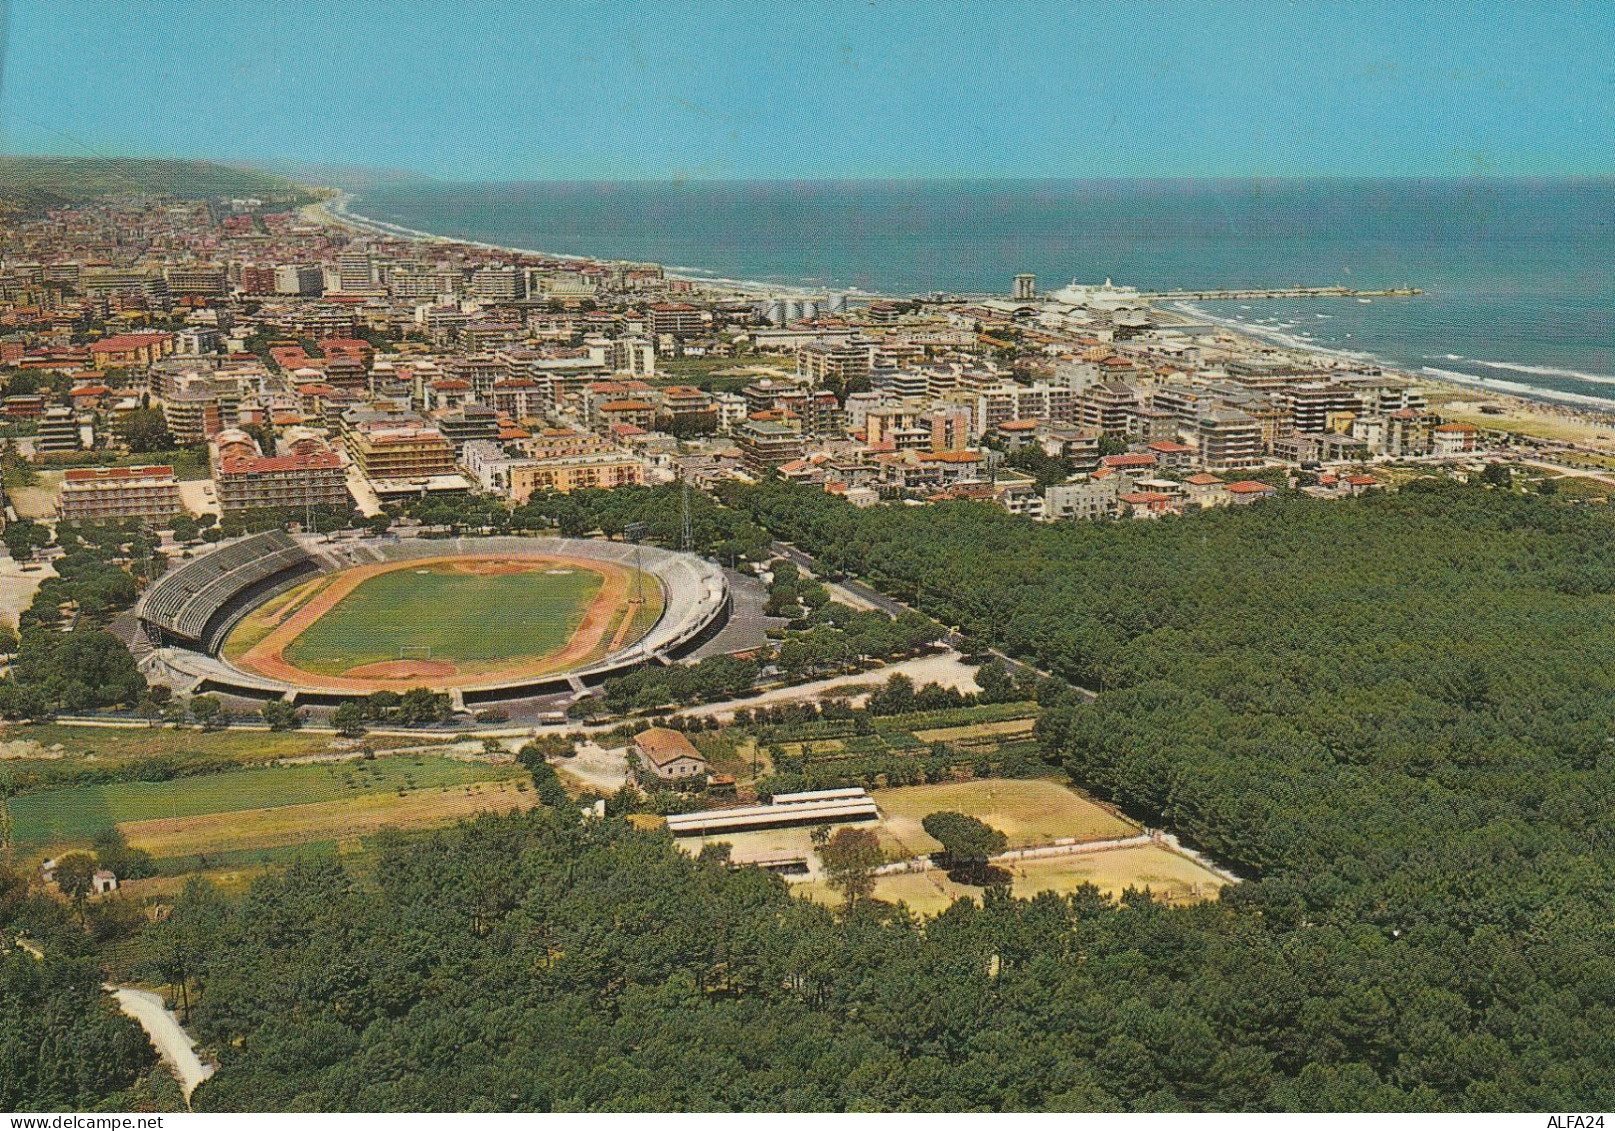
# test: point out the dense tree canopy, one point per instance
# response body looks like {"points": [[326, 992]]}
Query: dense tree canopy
{"points": [[63, 1043], [1391, 715]]}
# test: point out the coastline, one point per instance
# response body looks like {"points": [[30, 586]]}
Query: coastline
{"points": [[1546, 414], [1495, 403], [336, 210]]}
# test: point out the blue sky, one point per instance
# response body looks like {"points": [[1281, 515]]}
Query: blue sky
{"points": [[823, 88]]}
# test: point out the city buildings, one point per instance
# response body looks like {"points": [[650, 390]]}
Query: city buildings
{"points": [[308, 476], [99, 494], [766, 444]]}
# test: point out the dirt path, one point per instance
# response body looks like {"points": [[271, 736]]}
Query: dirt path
{"points": [[173, 1044], [945, 668], [268, 656]]}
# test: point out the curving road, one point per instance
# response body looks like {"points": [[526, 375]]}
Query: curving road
{"points": [[173, 1044]]}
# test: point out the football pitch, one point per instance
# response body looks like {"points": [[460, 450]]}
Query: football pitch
{"points": [[447, 614]]}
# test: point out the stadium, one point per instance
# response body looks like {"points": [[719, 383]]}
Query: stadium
{"points": [[317, 621]]}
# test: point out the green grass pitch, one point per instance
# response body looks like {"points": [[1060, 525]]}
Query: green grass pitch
{"points": [[471, 620]]}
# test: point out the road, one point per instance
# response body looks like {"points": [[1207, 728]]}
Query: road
{"points": [[173, 1044], [874, 598], [945, 668], [1566, 469]]}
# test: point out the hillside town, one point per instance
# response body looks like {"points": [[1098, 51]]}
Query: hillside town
{"points": [[320, 363]]}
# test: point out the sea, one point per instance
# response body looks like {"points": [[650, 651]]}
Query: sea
{"points": [[1518, 275]]}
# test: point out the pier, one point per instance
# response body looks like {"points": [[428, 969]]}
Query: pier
{"points": [[1280, 292]]}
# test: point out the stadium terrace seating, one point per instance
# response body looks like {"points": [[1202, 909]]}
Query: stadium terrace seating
{"points": [[182, 603]]}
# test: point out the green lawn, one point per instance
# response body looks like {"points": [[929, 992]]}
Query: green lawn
{"points": [[467, 619], [60, 818]]}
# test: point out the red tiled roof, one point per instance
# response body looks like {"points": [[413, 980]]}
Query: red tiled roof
{"points": [[94, 474], [256, 465], [128, 342], [659, 746]]}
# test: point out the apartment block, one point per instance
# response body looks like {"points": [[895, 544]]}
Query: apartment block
{"points": [[99, 494]]}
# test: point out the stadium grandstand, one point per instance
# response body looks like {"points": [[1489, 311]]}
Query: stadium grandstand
{"points": [[194, 605], [188, 613]]}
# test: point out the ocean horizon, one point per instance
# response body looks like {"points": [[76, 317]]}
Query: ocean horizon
{"points": [[1519, 292]]}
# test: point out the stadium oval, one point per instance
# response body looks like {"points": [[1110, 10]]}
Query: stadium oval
{"points": [[189, 613]]}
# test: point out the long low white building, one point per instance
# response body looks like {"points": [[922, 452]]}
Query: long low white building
{"points": [[818, 808]]}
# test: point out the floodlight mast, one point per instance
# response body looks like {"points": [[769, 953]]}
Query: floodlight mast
{"points": [[635, 533]]}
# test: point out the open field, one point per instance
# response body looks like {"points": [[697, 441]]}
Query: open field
{"points": [[1169, 876], [1028, 812], [446, 622], [324, 820], [1161, 870], [18, 586], [945, 668], [1580, 487], [39, 500], [1009, 728], [60, 818], [231, 880], [761, 844], [118, 743]]}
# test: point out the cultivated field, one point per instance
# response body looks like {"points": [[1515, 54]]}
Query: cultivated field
{"points": [[1008, 729], [447, 622], [167, 838], [228, 804]]}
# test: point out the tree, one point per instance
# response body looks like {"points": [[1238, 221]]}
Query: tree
{"points": [[145, 430], [185, 527], [967, 842], [850, 858], [113, 853], [77, 670], [23, 537], [894, 697], [206, 710], [995, 682], [279, 714], [1497, 475], [380, 704], [422, 705], [75, 877], [348, 718]]}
